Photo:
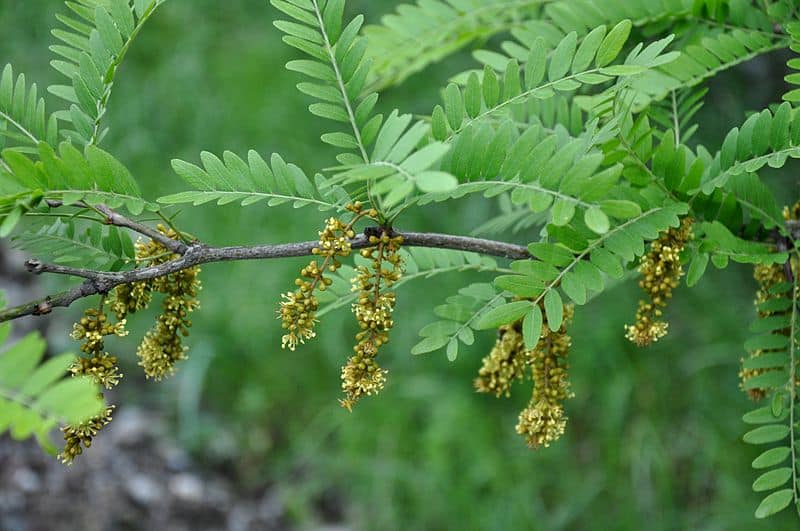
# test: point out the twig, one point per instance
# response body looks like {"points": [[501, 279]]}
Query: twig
{"points": [[99, 282], [112, 217]]}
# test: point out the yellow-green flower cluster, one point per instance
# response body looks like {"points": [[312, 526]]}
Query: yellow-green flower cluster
{"points": [[361, 375], [131, 298], [507, 362], [162, 346], [80, 436], [543, 421], [298, 309], [97, 364], [767, 276], [661, 272]]}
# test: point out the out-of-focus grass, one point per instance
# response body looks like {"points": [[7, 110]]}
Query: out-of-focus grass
{"points": [[654, 436]]}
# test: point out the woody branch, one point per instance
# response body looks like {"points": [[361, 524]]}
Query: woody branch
{"points": [[97, 282]]}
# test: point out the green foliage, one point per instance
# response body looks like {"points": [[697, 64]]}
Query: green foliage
{"points": [[460, 315], [427, 31], [234, 180], [707, 51], [547, 173], [574, 126], [418, 263], [793, 96], [94, 39], [338, 68], [538, 70], [24, 121], [577, 270], [586, 14], [91, 176], [35, 396], [71, 242], [774, 426], [764, 139]]}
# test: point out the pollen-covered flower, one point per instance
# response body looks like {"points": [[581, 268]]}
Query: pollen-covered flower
{"points": [[543, 421], [661, 272], [131, 298], [298, 309], [92, 327], [80, 436], [162, 346], [507, 362], [100, 366], [361, 375]]}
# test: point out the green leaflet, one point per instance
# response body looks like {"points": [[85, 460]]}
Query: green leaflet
{"points": [[234, 180], [579, 273], [35, 397], [461, 315], [523, 78], [92, 42], [426, 31], [67, 242], [763, 139], [773, 366], [503, 314], [70, 175], [23, 115]]}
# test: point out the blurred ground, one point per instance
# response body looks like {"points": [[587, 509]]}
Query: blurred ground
{"points": [[135, 477]]}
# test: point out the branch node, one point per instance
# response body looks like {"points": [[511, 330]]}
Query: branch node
{"points": [[43, 308], [378, 231], [34, 266]]}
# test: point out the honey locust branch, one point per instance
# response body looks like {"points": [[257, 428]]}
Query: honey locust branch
{"points": [[98, 282], [192, 254]]}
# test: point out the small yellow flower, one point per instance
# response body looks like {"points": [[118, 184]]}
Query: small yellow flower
{"points": [[506, 362], [102, 368], [542, 423], [162, 346], [298, 309], [81, 435], [661, 272], [93, 327], [361, 375]]}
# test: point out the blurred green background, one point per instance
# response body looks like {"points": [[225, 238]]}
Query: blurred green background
{"points": [[654, 436]]}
